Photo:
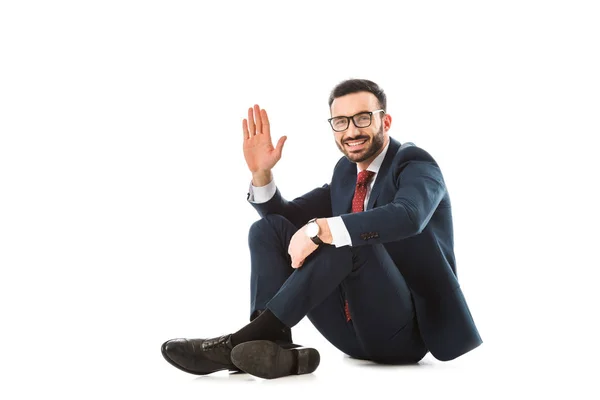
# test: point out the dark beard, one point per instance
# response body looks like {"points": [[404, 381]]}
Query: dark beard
{"points": [[377, 145]]}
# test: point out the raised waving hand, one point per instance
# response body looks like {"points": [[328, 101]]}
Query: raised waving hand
{"points": [[259, 152]]}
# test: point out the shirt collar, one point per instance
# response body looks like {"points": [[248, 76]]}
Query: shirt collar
{"points": [[376, 163]]}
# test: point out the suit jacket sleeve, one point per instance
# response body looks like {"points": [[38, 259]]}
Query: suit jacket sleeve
{"points": [[314, 204], [419, 189]]}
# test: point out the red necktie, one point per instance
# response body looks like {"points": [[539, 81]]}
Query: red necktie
{"points": [[358, 205], [360, 193]]}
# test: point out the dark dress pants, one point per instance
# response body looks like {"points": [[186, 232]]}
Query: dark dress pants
{"points": [[383, 327]]}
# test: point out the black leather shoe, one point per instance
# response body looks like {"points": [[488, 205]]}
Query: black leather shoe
{"points": [[199, 356], [269, 360]]}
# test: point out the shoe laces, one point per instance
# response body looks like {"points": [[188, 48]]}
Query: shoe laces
{"points": [[222, 341]]}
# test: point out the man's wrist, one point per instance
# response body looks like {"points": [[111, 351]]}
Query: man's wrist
{"points": [[262, 178], [324, 232]]}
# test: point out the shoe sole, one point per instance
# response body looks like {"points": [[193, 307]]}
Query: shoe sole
{"points": [[268, 360]]}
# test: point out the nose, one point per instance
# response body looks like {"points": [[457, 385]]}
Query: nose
{"points": [[352, 131]]}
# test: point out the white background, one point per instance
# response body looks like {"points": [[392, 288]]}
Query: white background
{"points": [[123, 214]]}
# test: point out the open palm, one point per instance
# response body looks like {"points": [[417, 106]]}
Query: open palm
{"points": [[259, 152]]}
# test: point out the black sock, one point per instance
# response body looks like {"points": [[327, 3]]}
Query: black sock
{"points": [[264, 327]]}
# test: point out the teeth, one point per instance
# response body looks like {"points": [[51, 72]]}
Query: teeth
{"points": [[356, 143]]}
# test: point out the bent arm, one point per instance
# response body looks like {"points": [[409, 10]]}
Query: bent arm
{"points": [[314, 204], [420, 190]]}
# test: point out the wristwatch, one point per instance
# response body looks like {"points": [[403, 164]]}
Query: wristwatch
{"points": [[312, 231]]}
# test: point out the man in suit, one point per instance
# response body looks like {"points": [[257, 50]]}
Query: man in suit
{"points": [[368, 258]]}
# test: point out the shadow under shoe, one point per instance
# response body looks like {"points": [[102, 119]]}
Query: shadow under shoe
{"points": [[269, 360], [200, 356]]}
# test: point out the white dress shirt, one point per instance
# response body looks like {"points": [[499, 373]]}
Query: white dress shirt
{"points": [[339, 232]]}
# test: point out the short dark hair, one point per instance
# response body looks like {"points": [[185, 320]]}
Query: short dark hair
{"points": [[358, 85]]}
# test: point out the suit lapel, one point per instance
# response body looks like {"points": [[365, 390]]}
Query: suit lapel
{"points": [[383, 171], [346, 190]]}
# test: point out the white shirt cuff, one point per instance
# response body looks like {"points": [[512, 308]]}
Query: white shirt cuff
{"points": [[261, 194], [339, 233]]}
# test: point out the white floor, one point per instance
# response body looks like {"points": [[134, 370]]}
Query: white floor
{"points": [[476, 375], [122, 366]]}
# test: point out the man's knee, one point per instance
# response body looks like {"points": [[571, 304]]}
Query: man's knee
{"points": [[266, 225]]}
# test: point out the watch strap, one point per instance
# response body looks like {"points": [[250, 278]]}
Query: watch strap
{"points": [[316, 240]]}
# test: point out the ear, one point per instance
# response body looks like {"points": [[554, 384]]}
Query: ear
{"points": [[387, 122]]}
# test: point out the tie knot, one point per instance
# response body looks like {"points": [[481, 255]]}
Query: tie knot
{"points": [[364, 177]]}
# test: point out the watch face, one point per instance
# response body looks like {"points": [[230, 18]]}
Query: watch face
{"points": [[312, 229]]}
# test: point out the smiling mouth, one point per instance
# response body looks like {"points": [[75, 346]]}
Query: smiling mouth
{"points": [[355, 144]]}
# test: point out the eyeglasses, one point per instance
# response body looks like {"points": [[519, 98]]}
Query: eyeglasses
{"points": [[360, 120]]}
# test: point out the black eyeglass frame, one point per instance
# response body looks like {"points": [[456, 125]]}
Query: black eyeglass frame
{"points": [[353, 121]]}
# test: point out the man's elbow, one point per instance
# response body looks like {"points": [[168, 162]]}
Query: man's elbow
{"points": [[418, 221]]}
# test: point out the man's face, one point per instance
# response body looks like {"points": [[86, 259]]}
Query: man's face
{"points": [[360, 144]]}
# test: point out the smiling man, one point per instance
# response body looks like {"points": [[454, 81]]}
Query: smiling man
{"points": [[368, 258]]}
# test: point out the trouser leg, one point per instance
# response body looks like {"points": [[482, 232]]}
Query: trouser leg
{"points": [[382, 308], [268, 241], [383, 325], [330, 320]]}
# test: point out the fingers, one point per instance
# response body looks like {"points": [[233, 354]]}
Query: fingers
{"points": [[297, 263], [257, 123], [251, 126], [258, 119], [297, 258], [279, 147], [245, 129], [294, 257], [266, 127]]}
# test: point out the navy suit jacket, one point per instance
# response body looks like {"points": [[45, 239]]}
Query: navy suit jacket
{"points": [[409, 214]]}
